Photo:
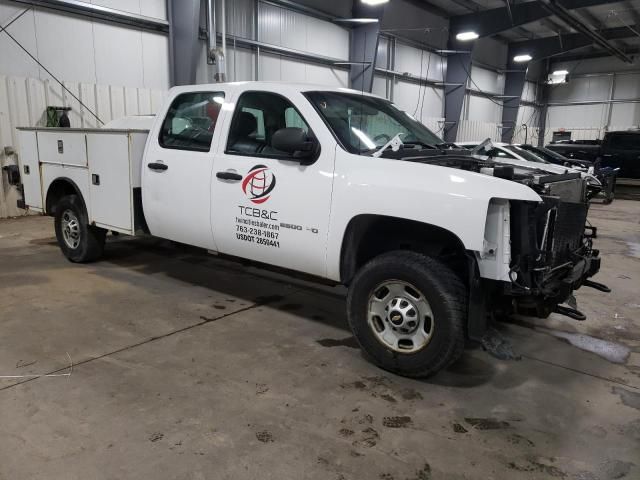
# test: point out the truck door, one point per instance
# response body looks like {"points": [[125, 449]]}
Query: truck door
{"points": [[176, 169], [622, 150], [268, 206]]}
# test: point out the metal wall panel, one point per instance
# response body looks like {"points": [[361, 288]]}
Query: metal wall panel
{"points": [[581, 89], [627, 115], [408, 60], [529, 92], [487, 80], [148, 8], [380, 86], [472, 131], [117, 51], [286, 28], [240, 64], [279, 68], [65, 46], [155, 62], [627, 86], [421, 102], [481, 109], [240, 17], [577, 116], [325, 38], [12, 59], [77, 49]]}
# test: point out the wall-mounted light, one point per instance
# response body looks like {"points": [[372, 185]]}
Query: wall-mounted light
{"points": [[374, 2], [522, 58], [467, 36]]}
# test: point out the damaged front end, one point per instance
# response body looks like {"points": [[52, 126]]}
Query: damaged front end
{"points": [[552, 250]]}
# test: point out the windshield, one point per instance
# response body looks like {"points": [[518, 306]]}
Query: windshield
{"points": [[529, 156], [545, 152], [363, 124]]}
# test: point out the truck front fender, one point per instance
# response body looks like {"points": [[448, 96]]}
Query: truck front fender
{"points": [[453, 200]]}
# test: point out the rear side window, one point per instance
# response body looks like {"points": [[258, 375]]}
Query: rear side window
{"points": [[257, 117], [191, 121], [625, 142]]}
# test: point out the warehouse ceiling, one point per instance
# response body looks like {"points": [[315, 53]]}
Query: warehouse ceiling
{"points": [[618, 22]]}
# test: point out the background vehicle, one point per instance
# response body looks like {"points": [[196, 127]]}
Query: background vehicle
{"points": [[525, 159], [617, 150], [606, 175], [431, 241]]}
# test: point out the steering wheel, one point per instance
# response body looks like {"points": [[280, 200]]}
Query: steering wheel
{"points": [[382, 136]]}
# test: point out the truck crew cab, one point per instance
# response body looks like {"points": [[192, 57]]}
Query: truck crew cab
{"points": [[337, 184]]}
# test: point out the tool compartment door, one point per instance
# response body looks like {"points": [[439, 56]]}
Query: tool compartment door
{"points": [[30, 169], [67, 148], [109, 181]]}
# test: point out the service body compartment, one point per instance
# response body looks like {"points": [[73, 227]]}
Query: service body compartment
{"points": [[103, 164], [30, 169], [67, 148]]}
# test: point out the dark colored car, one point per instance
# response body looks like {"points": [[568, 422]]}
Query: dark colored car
{"points": [[606, 175], [619, 150]]}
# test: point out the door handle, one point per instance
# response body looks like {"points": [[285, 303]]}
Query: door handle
{"points": [[229, 176], [158, 166]]}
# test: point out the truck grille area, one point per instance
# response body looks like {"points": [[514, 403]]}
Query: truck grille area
{"points": [[568, 230], [547, 240]]}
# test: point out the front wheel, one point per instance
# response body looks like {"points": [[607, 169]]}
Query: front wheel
{"points": [[79, 241], [408, 312]]}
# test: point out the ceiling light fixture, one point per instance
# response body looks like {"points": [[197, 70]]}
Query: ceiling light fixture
{"points": [[522, 58], [467, 36], [374, 2], [561, 72]]}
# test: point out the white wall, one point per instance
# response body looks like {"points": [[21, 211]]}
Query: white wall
{"points": [[284, 28], [595, 81], [80, 50]]}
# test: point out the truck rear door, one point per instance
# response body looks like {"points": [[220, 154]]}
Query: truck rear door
{"points": [[622, 150], [176, 170], [266, 206]]}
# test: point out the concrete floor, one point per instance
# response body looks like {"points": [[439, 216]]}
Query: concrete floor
{"points": [[190, 367]]}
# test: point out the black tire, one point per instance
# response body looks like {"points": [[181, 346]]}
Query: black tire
{"points": [[443, 290], [90, 240]]}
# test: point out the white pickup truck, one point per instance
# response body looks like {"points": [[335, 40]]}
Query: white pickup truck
{"points": [[432, 242]]}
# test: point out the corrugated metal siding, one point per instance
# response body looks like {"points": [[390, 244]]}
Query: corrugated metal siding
{"points": [[23, 102], [280, 68], [286, 28], [408, 59], [471, 131]]}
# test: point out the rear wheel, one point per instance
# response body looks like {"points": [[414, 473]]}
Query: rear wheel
{"points": [[79, 241], [408, 312]]}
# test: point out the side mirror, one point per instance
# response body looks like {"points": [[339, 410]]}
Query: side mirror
{"points": [[296, 142]]}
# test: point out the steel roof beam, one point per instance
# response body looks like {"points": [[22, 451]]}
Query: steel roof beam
{"points": [[556, 8], [567, 42], [496, 20]]}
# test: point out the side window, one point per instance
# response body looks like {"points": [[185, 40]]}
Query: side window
{"points": [[257, 117], [191, 121], [496, 152], [625, 142]]}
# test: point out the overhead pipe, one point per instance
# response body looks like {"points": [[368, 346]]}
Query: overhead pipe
{"points": [[215, 54], [567, 17]]}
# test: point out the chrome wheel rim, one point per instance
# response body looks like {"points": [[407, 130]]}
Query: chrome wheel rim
{"points": [[70, 226], [400, 316]]}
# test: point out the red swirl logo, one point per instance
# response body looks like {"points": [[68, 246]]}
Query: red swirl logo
{"points": [[258, 184]]}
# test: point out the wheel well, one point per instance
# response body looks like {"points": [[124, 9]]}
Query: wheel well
{"points": [[368, 236], [60, 187]]}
